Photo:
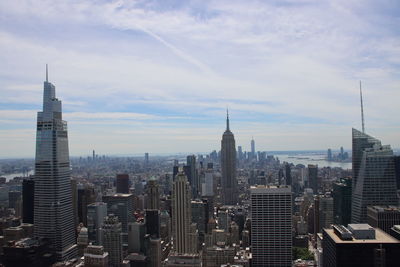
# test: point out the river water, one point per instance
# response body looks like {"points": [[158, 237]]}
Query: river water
{"points": [[313, 159]]}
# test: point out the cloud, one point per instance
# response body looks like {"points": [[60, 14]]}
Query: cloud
{"points": [[291, 65]]}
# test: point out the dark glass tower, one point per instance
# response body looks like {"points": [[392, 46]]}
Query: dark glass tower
{"points": [[53, 215], [228, 166]]}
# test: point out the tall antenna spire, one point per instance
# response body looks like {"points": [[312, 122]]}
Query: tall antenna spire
{"points": [[227, 119], [362, 110], [47, 74]]}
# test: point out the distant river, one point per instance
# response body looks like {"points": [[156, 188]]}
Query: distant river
{"points": [[12, 175], [313, 159]]}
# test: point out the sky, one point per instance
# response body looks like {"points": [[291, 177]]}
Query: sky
{"points": [[158, 76]]}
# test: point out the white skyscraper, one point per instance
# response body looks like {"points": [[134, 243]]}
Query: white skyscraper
{"points": [[53, 213], [271, 226]]}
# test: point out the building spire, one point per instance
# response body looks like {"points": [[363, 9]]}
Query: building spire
{"points": [[47, 74], [362, 110], [227, 119]]}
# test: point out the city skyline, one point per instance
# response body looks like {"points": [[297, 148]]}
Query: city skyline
{"points": [[158, 77]]}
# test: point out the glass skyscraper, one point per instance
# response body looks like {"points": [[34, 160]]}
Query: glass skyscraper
{"points": [[53, 215], [374, 176]]}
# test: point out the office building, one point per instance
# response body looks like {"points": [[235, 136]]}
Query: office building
{"points": [[217, 255], [153, 194], [96, 212], [181, 214], [200, 215], [228, 166], [136, 233], [341, 194], [121, 205], [383, 217], [27, 200], [122, 183], [313, 178], [359, 245], [53, 214], [253, 149], [192, 175], [325, 212], [375, 181], [153, 223], [95, 256], [112, 239], [86, 196], [271, 226], [154, 253]]}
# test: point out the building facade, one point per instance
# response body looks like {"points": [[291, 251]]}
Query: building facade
{"points": [[271, 226], [228, 167], [53, 214]]}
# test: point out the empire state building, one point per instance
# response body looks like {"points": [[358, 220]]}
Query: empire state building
{"points": [[228, 166], [53, 218]]}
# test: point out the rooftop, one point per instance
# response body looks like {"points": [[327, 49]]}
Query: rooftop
{"points": [[380, 237]]}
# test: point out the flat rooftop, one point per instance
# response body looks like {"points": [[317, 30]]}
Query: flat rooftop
{"points": [[385, 208], [380, 237]]}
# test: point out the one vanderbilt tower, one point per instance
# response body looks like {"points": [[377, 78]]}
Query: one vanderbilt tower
{"points": [[53, 215], [228, 166]]}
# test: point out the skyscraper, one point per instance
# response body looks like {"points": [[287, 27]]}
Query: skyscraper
{"points": [[122, 183], [228, 166], [375, 182], [112, 240], [153, 195], [360, 141], [181, 213], [253, 148], [53, 217], [191, 173], [313, 178], [96, 212], [27, 200], [271, 226], [341, 194]]}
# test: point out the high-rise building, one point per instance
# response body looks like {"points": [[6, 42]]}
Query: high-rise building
{"points": [[200, 215], [153, 223], [112, 240], [121, 205], [313, 178], [192, 175], [271, 226], [122, 183], [383, 217], [359, 245], [342, 201], [153, 195], [27, 200], [375, 180], [86, 196], [181, 214], [288, 174], [136, 233], [253, 148], [240, 153], [325, 212], [53, 217], [329, 157], [360, 141], [228, 166], [96, 212]]}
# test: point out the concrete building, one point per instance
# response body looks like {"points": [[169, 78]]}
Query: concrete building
{"points": [[153, 195], [181, 214], [271, 226]]}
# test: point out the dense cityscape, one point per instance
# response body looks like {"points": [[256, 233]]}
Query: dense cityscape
{"points": [[199, 133], [226, 208]]}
